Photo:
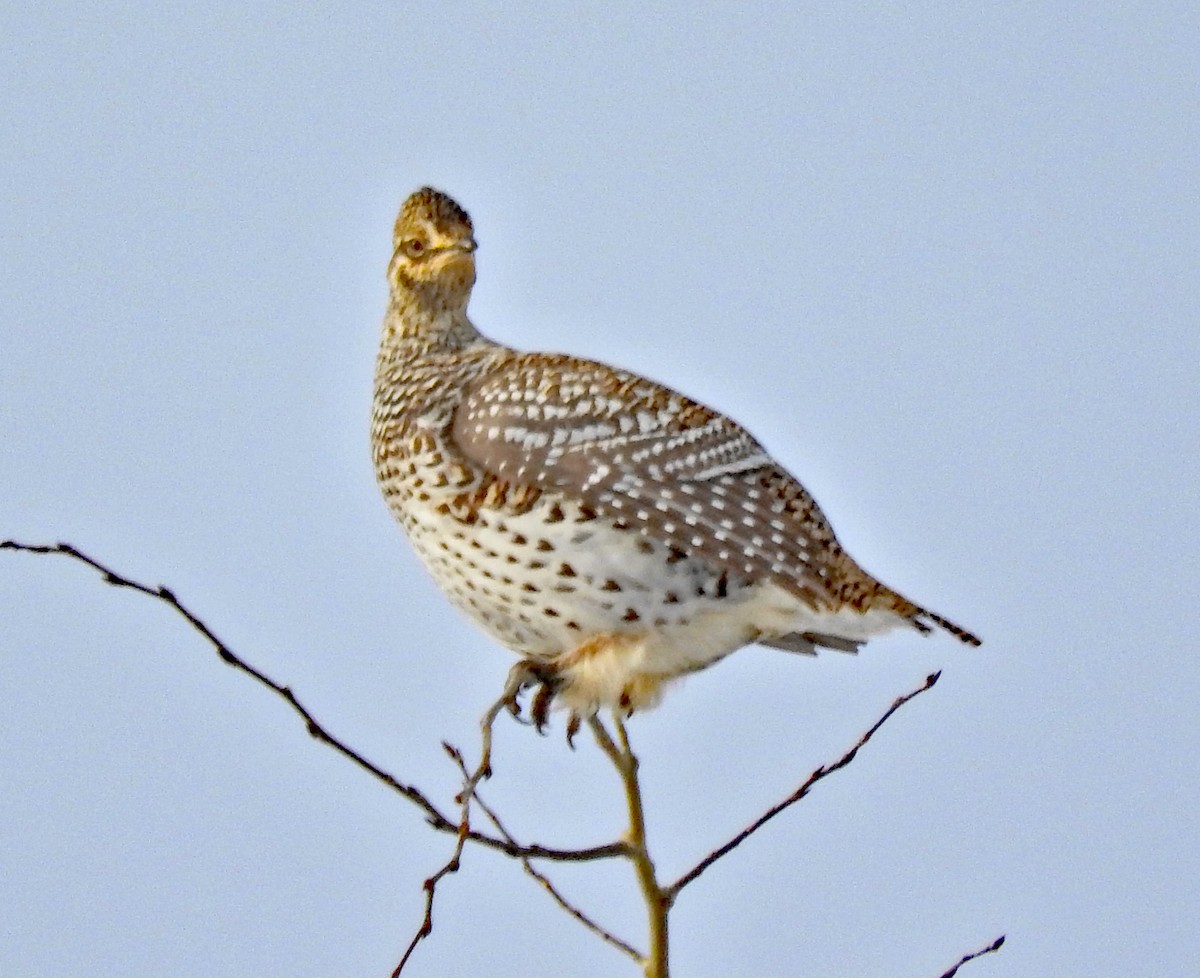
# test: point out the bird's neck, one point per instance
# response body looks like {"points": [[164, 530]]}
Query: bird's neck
{"points": [[427, 320]]}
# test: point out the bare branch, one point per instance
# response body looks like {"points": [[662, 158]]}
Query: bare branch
{"points": [[434, 816], [657, 900], [672, 891], [437, 819], [430, 887], [545, 882], [512, 687], [994, 946], [518, 677]]}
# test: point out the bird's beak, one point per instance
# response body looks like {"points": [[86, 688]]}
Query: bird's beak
{"points": [[459, 256], [460, 253]]}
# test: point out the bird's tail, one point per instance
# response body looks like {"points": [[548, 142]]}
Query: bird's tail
{"points": [[960, 633], [917, 617]]}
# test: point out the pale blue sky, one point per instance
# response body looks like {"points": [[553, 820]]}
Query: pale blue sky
{"points": [[941, 261]]}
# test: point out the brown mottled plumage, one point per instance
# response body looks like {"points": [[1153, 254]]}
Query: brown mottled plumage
{"points": [[609, 530]]}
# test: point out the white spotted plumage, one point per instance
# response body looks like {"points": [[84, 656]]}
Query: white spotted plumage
{"points": [[609, 530]]}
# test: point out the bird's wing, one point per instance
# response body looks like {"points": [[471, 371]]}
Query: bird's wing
{"points": [[651, 460]]}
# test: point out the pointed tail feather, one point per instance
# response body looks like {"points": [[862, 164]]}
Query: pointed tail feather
{"points": [[915, 613], [957, 631]]}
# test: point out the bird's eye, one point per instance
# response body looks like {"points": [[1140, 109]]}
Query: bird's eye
{"points": [[414, 247]]}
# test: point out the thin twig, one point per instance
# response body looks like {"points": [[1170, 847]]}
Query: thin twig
{"points": [[433, 815], [231, 658], [596, 928], [994, 946], [672, 891], [656, 899], [430, 887], [517, 678]]}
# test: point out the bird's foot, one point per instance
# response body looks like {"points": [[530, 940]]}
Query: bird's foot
{"points": [[548, 685], [547, 682], [573, 725], [522, 676], [541, 677]]}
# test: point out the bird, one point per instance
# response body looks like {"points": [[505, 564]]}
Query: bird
{"points": [[614, 533]]}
